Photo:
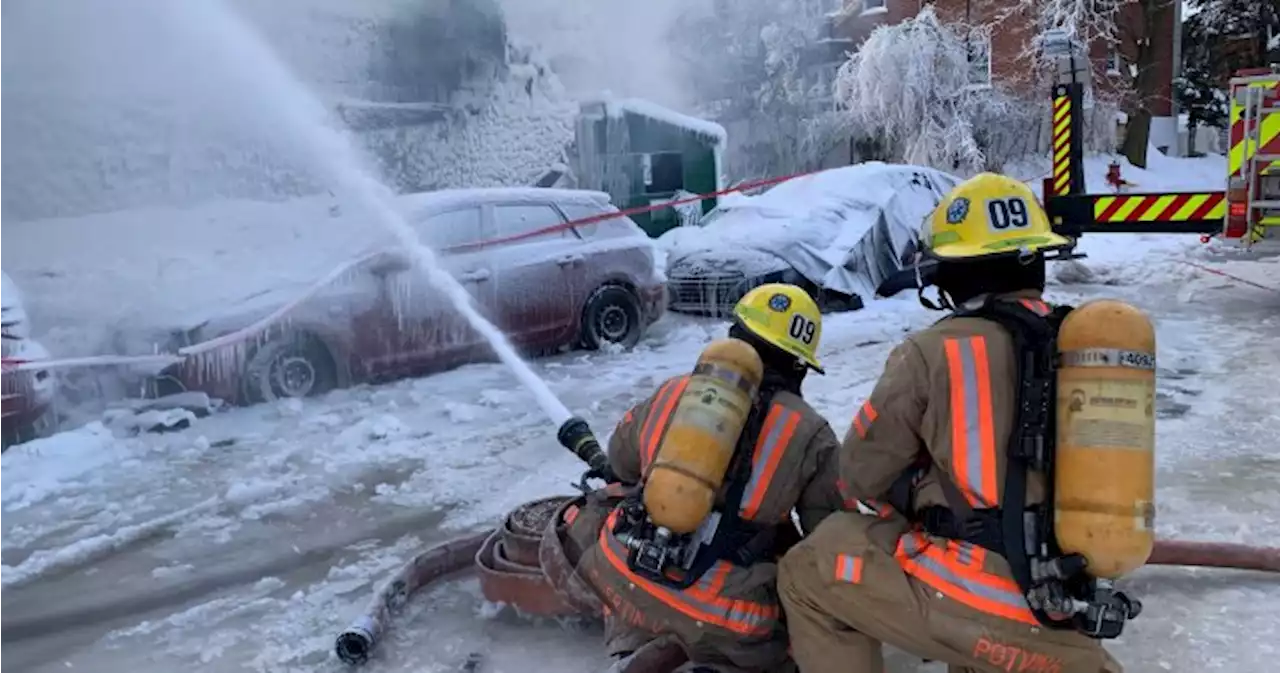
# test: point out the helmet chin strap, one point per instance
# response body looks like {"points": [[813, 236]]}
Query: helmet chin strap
{"points": [[943, 303]]}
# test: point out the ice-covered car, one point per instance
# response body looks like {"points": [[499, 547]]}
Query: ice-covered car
{"points": [[28, 393], [840, 233], [545, 285]]}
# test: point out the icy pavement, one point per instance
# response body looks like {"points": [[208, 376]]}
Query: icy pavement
{"points": [[248, 541]]}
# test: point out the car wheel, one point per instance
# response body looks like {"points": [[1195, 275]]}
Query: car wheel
{"points": [[296, 365], [612, 315]]}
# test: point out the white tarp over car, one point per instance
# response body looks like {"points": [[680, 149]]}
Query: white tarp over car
{"points": [[845, 229]]}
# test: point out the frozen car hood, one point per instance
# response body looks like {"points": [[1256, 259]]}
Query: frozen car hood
{"points": [[732, 259], [844, 229]]}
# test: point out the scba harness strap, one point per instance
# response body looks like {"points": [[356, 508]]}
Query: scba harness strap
{"points": [[1022, 535], [736, 540]]}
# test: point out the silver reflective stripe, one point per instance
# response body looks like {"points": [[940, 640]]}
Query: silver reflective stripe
{"points": [[914, 550], [781, 417], [1109, 357], [977, 451]]}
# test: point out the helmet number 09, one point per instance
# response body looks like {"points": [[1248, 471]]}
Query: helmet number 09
{"points": [[802, 328], [1008, 213]]}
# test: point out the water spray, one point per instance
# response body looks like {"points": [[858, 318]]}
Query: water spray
{"points": [[304, 115]]}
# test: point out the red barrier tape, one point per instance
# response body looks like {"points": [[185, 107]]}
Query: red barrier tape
{"points": [[584, 221], [1237, 279]]}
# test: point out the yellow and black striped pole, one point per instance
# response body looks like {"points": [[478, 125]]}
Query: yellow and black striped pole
{"points": [[1068, 169], [1061, 142]]}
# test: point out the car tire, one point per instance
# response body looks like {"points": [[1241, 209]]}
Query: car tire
{"points": [[611, 315], [294, 365]]}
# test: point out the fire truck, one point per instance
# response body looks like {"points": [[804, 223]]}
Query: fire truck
{"points": [[1248, 210]]}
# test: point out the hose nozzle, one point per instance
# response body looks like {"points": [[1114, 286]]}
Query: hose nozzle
{"points": [[576, 436]]}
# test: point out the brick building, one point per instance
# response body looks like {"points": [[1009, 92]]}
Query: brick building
{"points": [[999, 59]]}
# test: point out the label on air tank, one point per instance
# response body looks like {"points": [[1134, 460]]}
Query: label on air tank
{"points": [[1144, 516], [1109, 357], [1106, 414]]}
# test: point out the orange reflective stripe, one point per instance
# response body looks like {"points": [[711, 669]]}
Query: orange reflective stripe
{"points": [[570, 513], [702, 601], [779, 427], [973, 439], [977, 589], [1035, 306], [863, 419], [659, 413], [849, 568]]}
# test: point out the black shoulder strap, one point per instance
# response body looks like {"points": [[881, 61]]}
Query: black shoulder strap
{"points": [[1030, 445]]}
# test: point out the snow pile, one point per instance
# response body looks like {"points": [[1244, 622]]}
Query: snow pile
{"points": [[507, 137]]}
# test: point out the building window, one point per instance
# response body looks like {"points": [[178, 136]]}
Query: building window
{"points": [[1113, 60], [873, 6], [979, 47]]}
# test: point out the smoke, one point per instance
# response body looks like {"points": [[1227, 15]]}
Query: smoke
{"points": [[619, 46]]}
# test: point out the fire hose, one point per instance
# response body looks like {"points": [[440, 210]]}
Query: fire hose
{"points": [[519, 564]]}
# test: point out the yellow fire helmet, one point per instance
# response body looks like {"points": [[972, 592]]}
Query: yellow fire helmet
{"points": [[988, 215], [785, 316]]}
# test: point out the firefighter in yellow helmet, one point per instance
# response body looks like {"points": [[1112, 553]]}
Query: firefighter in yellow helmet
{"points": [[934, 558], [723, 615]]}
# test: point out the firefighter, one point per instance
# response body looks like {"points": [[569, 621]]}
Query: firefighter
{"points": [[725, 615], [922, 560]]}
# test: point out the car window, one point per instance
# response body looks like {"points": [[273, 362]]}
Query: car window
{"points": [[450, 228], [516, 220], [578, 211]]}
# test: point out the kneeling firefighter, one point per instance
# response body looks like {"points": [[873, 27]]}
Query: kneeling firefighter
{"points": [[713, 465], [989, 528]]}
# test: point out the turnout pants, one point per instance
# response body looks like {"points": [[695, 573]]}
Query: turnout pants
{"points": [[838, 618]]}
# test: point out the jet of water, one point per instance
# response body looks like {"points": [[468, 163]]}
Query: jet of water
{"points": [[301, 114]]}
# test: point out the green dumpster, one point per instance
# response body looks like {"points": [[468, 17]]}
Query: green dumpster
{"points": [[643, 154]]}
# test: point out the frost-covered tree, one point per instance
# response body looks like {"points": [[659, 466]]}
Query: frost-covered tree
{"points": [[1136, 29], [1199, 89], [909, 86], [1252, 27], [758, 68]]}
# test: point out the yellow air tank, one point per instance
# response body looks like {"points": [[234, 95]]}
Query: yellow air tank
{"points": [[1104, 487], [695, 453]]}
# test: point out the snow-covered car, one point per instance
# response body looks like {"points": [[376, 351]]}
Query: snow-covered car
{"points": [[545, 285], [840, 233], [28, 393]]}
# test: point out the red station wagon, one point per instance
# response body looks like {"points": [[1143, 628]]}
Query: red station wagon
{"points": [[584, 286]]}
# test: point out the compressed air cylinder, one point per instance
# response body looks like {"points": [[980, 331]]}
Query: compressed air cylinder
{"points": [[1104, 481], [694, 455]]}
